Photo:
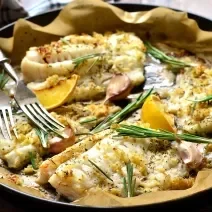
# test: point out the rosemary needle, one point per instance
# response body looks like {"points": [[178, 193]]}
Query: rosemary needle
{"points": [[100, 170], [156, 53], [3, 79], [205, 99], [196, 101], [86, 133], [65, 41], [120, 115], [140, 132], [129, 183], [77, 61], [32, 160], [43, 136], [88, 120]]}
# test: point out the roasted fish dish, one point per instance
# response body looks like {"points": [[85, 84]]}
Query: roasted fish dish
{"points": [[121, 138], [118, 53]]}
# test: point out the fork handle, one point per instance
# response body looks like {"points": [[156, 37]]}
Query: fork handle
{"points": [[5, 62], [10, 71]]}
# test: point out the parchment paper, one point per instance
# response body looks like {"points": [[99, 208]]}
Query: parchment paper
{"points": [[87, 16]]}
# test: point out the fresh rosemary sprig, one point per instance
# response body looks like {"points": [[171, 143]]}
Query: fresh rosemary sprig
{"points": [[32, 157], [3, 79], [86, 133], [87, 120], [100, 170], [129, 183], [43, 136], [196, 101], [77, 61], [65, 41], [120, 115], [205, 99], [141, 132], [156, 53]]}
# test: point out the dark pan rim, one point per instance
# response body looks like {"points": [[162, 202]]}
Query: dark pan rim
{"points": [[14, 191], [118, 4], [172, 8], [73, 205]]}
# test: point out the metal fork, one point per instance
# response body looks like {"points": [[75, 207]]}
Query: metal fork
{"points": [[30, 105], [5, 114]]}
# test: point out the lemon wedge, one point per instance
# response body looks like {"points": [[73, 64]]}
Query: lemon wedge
{"points": [[153, 113], [56, 96]]}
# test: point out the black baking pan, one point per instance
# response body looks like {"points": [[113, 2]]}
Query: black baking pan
{"points": [[28, 202]]}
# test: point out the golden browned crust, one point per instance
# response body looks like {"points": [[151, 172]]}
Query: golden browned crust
{"points": [[178, 183]]}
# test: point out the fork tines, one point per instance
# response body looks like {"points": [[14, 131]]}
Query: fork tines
{"points": [[7, 122], [41, 117], [30, 105]]}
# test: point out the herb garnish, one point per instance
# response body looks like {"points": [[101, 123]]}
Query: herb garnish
{"points": [[120, 115], [3, 79], [205, 99], [129, 183], [77, 61], [156, 53], [196, 101], [141, 132], [43, 136], [85, 133], [100, 170], [65, 41], [87, 120], [32, 157]]}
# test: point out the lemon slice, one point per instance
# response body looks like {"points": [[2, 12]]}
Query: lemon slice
{"points": [[56, 96], [153, 113]]}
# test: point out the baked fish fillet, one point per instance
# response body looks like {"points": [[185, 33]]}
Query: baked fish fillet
{"points": [[156, 166], [123, 52], [48, 167], [16, 152], [192, 84]]}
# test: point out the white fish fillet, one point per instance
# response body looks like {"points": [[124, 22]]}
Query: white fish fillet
{"points": [[16, 152], [151, 168], [192, 84], [123, 53], [48, 167]]}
